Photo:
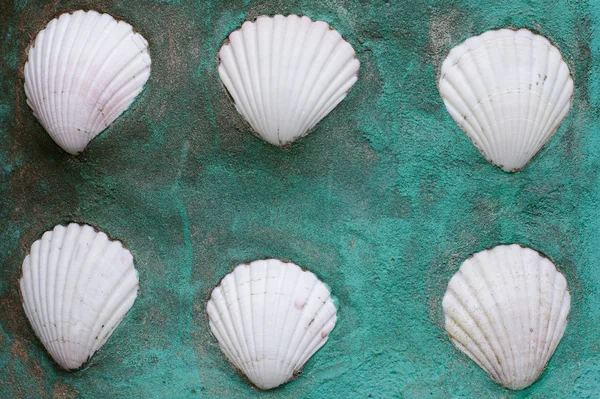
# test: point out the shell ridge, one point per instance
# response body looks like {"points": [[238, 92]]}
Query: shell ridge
{"points": [[264, 71], [284, 335], [79, 264], [294, 343], [106, 117], [297, 73], [525, 335], [255, 278], [502, 335], [551, 125], [266, 311], [538, 353], [234, 301], [127, 98], [314, 73], [240, 98], [535, 370], [74, 268], [42, 289], [49, 98], [106, 284], [551, 345], [329, 83], [317, 342], [222, 333], [478, 132], [61, 29], [496, 89], [336, 91], [248, 339], [242, 59], [44, 68], [314, 328], [92, 97], [279, 34], [540, 129], [307, 77], [75, 118], [276, 325], [291, 30], [480, 141], [508, 318], [67, 66], [488, 355], [531, 95], [35, 283], [252, 46], [112, 312], [67, 110], [64, 262], [326, 107], [56, 238], [310, 342]]}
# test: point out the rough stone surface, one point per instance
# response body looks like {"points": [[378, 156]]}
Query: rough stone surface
{"points": [[383, 201]]}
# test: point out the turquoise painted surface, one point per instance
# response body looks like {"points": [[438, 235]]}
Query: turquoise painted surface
{"points": [[383, 201]]}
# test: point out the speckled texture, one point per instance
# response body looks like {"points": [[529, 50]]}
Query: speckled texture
{"points": [[383, 201]]}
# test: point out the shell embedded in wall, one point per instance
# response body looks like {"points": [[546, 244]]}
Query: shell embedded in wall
{"points": [[84, 70], [77, 286], [506, 308], [269, 318], [285, 74], [509, 91]]}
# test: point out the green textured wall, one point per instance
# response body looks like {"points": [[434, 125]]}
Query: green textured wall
{"points": [[383, 201]]}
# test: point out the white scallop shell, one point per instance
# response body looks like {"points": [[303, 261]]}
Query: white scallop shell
{"points": [[509, 91], [270, 317], [77, 286], [285, 74], [506, 308], [83, 70]]}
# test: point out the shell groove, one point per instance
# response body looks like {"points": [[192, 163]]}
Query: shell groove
{"points": [[506, 308], [76, 287], [84, 70], [285, 74], [509, 91], [269, 318]]}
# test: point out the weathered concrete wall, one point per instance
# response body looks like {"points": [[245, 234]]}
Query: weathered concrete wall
{"points": [[383, 201]]}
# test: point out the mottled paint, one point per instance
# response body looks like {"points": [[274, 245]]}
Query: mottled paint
{"points": [[383, 201]]}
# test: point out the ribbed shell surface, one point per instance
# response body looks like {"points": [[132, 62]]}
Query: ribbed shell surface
{"points": [[77, 286], [285, 74], [509, 91], [83, 70], [269, 318], [506, 308]]}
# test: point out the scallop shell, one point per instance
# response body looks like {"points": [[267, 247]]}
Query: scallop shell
{"points": [[285, 74], [77, 286], [83, 71], [270, 317], [506, 308], [509, 91]]}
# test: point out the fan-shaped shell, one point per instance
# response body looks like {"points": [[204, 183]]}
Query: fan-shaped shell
{"points": [[270, 317], [83, 70], [285, 74], [509, 91], [77, 286], [506, 308]]}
